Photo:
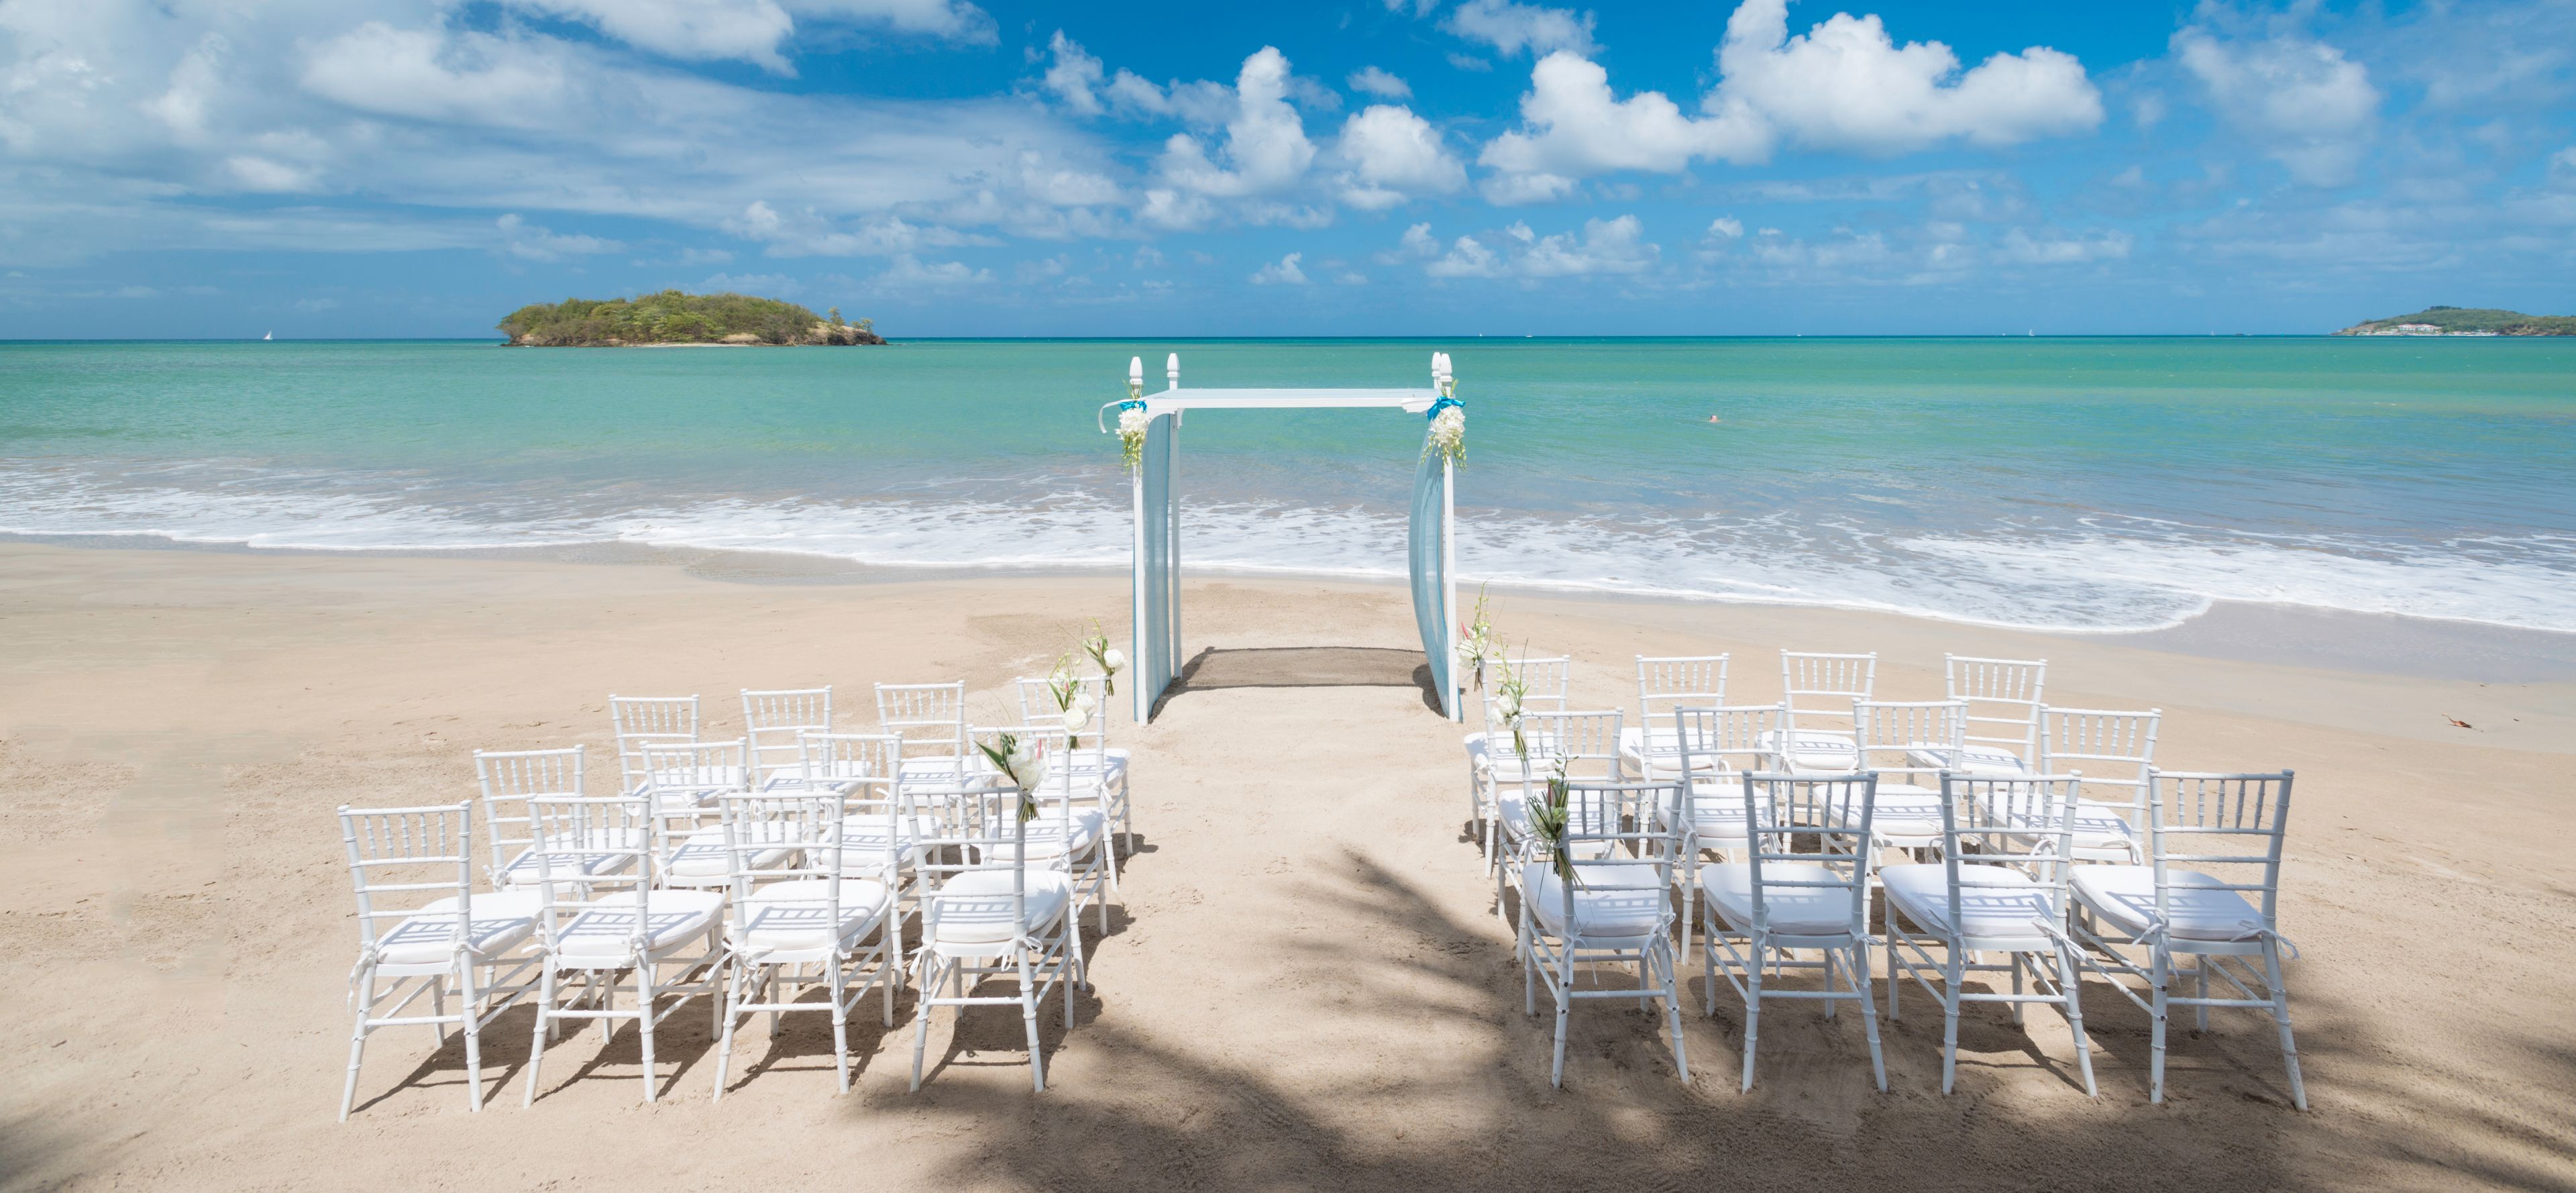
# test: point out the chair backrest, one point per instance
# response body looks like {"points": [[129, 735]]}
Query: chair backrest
{"points": [[930, 717], [401, 859], [1038, 706], [771, 722], [584, 844], [1739, 736], [640, 720], [2114, 748], [510, 778], [1818, 689], [783, 836], [2026, 822], [2003, 697], [1664, 684], [1611, 829], [832, 759], [674, 770], [1834, 811], [2229, 827], [1548, 681], [1585, 743], [1915, 739]]}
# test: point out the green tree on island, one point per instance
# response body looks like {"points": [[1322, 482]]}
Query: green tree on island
{"points": [[678, 317]]}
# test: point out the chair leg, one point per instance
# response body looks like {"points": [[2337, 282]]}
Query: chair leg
{"points": [[2068, 988], [1564, 1005], [1029, 1017], [1752, 1011], [2200, 989], [1869, 1013], [727, 1015], [1950, 980], [930, 982], [840, 1021], [473, 1029], [545, 1023], [2281, 1016], [2160, 970], [644, 999], [358, 1041], [1673, 1014], [1831, 958], [1529, 965], [2016, 988]]}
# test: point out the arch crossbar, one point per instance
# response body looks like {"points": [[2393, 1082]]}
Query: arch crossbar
{"points": [[1156, 567]]}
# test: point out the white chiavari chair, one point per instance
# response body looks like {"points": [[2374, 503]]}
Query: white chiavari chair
{"points": [[991, 909], [685, 781], [1091, 759], [1755, 915], [2114, 749], [510, 778], [2209, 893], [648, 720], [2003, 698], [1647, 748], [1582, 746], [422, 928], [771, 723], [1490, 761], [1598, 894], [1999, 888], [799, 901], [931, 720], [1071, 829], [1895, 739], [1723, 744], [1818, 690], [620, 942]]}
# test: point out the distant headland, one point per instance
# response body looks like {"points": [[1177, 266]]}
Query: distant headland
{"points": [[2465, 321], [674, 317]]}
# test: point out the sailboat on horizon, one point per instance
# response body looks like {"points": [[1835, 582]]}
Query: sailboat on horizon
{"points": [[270, 336]]}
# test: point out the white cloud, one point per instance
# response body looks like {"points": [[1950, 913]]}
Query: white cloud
{"points": [[1512, 28], [908, 270], [429, 74], [1394, 154], [808, 233], [2022, 248], [1379, 83], [1842, 85], [1073, 75], [2313, 109], [1350, 277], [529, 241], [753, 30], [1573, 127], [1265, 147], [1726, 226], [1613, 246], [1845, 84], [1282, 272]]}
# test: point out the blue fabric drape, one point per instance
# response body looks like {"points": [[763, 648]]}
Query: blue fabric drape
{"points": [[1154, 664], [1428, 545]]}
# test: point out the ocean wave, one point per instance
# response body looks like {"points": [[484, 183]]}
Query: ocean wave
{"points": [[2095, 574]]}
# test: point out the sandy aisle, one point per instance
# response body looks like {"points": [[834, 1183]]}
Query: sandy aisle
{"points": [[1303, 986]]}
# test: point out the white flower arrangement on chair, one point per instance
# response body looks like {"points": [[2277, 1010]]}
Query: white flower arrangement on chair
{"points": [[1072, 700], [1508, 694], [1018, 760], [1476, 646], [1110, 660]]}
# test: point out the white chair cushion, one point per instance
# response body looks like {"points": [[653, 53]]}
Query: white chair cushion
{"points": [[974, 908], [1983, 761], [2101, 828], [1816, 750], [794, 916], [603, 931], [569, 866], [1627, 901], [1046, 835], [1642, 747], [1907, 815], [1795, 910], [2125, 897], [502, 919], [1997, 902], [702, 855]]}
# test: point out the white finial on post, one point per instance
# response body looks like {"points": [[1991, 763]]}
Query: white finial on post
{"points": [[1136, 373], [1172, 369]]}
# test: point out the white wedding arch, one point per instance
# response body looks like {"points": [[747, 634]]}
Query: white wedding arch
{"points": [[1154, 466]]}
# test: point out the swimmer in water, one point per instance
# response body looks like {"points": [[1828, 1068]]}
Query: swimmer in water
{"points": [[1713, 418]]}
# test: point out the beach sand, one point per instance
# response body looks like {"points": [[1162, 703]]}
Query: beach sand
{"points": [[1303, 985]]}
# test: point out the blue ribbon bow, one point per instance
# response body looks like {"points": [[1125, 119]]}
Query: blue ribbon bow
{"points": [[1131, 404], [1444, 403]]}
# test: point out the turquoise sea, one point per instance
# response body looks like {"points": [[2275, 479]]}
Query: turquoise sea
{"points": [[2103, 484]]}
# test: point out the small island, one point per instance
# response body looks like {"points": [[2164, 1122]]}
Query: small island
{"points": [[2465, 321], [674, 317]]}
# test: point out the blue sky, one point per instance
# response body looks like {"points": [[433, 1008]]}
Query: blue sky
{"points": [[1432, 167]]}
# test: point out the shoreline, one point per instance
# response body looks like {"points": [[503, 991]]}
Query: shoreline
{"points": [[2292, 635]]}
